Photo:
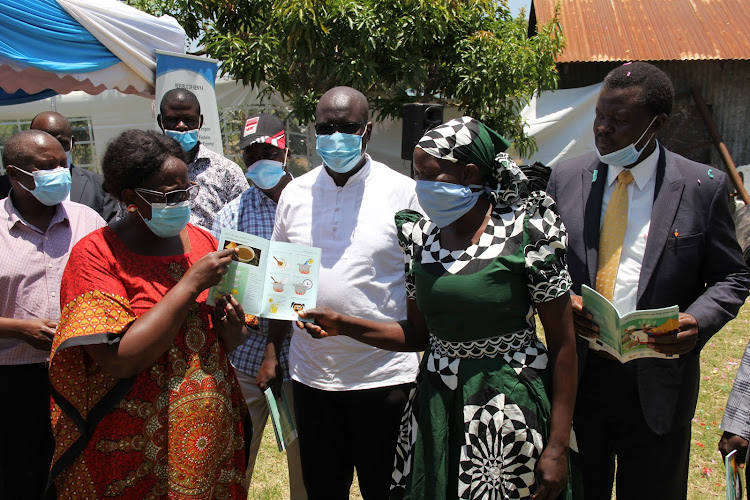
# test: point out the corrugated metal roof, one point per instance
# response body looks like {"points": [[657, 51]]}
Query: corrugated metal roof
{"points": [[649, 30]]}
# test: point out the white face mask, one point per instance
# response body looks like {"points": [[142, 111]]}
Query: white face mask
{"points": [[69, 155], [627, 155]]}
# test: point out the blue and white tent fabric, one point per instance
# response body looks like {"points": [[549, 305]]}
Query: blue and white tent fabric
{"points": [[49, 46]]}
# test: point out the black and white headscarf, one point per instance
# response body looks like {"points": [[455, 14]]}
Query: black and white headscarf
{"points": [[466, 140]]}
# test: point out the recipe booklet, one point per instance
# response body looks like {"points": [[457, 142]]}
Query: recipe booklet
{"points": [[626, 337], [734, 483], [271, 279], [281, 418]]}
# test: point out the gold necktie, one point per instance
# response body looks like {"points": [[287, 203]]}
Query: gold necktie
{"points": [[612, 236]]}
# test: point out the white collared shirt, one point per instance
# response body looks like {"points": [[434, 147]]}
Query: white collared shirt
{"points": [[361, 273], [640, 203]]}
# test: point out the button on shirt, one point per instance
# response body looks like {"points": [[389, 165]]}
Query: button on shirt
{"points": [[31, 268], [253, 212], [361, 273], [640, 203], [220, 180]]}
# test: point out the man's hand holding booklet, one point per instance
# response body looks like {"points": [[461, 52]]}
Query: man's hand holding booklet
{"points": [[627, 337]]}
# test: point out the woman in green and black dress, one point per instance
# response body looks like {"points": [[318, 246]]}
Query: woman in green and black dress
{"points": [[491, 415]]}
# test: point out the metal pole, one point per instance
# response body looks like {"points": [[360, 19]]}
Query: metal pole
{"points": [[719, 143]]}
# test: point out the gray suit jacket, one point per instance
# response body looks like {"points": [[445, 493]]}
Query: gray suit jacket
{"points": [[692, 259], [86, 188], [737, 412]]}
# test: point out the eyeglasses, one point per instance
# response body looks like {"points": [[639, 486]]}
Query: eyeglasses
{"points": [[344, 128], [170, 123], [38, 171], [172, 197]]}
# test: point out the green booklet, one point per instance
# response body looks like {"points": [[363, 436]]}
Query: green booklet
{"points": [[734, 483], [281, 419], [271, 279], [626, 337]]}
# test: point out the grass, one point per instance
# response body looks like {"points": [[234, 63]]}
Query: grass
{"points": [[719, 362], [271, 475]]}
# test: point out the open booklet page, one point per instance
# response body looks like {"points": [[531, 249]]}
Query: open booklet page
{"points": [[626, 337], [271, 279], [281, 419]]}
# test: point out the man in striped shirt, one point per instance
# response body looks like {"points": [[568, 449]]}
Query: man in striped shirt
{"points": [[38, 228], [257, 365]]}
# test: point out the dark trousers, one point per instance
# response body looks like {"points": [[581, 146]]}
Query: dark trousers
{"points": [[609, 423], [341, 430], [26, 443]]}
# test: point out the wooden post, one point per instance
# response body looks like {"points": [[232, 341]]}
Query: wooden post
{"points": [[719, 143]]}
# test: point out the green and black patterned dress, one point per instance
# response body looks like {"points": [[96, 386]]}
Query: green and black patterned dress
{"points": [[479, 418]]}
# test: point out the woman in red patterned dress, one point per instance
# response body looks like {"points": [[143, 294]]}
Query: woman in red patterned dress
{"points": [[146, 404]]}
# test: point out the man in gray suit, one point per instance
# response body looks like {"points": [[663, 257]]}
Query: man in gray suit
{"points": [[86, 187], [679, 247]]}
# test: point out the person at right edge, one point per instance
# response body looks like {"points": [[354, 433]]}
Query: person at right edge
{"points": [[736, 420], [679, 248]]}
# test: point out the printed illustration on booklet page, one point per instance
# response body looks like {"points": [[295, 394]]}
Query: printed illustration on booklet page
{"points": [[271, 279], [627, 337]]}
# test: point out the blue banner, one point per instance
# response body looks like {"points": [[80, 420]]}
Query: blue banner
{"points": [[198, 75]]}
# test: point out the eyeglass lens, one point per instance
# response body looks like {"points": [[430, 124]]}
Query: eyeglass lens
{"points": [[172, 197], [170, 123], [344, 128]]}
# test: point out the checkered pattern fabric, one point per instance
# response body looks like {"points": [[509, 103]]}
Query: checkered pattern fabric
{"points": [[452, 140], [466, 140], [533, 221], [443, 370], [503, 235], [501, 449], [502, 439], [407, 437]]}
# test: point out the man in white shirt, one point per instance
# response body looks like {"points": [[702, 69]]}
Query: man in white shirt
{"points": [[678, 248], [349, 397]]}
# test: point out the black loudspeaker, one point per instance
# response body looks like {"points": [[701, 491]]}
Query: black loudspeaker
{"points": [[417, 119]]}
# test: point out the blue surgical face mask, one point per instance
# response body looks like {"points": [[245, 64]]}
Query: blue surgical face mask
{"points": [[69, 156], [627, 155], [51, 186], [444, 202], [340, 152], [265, 174], [167, 220], [187, 140]]}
